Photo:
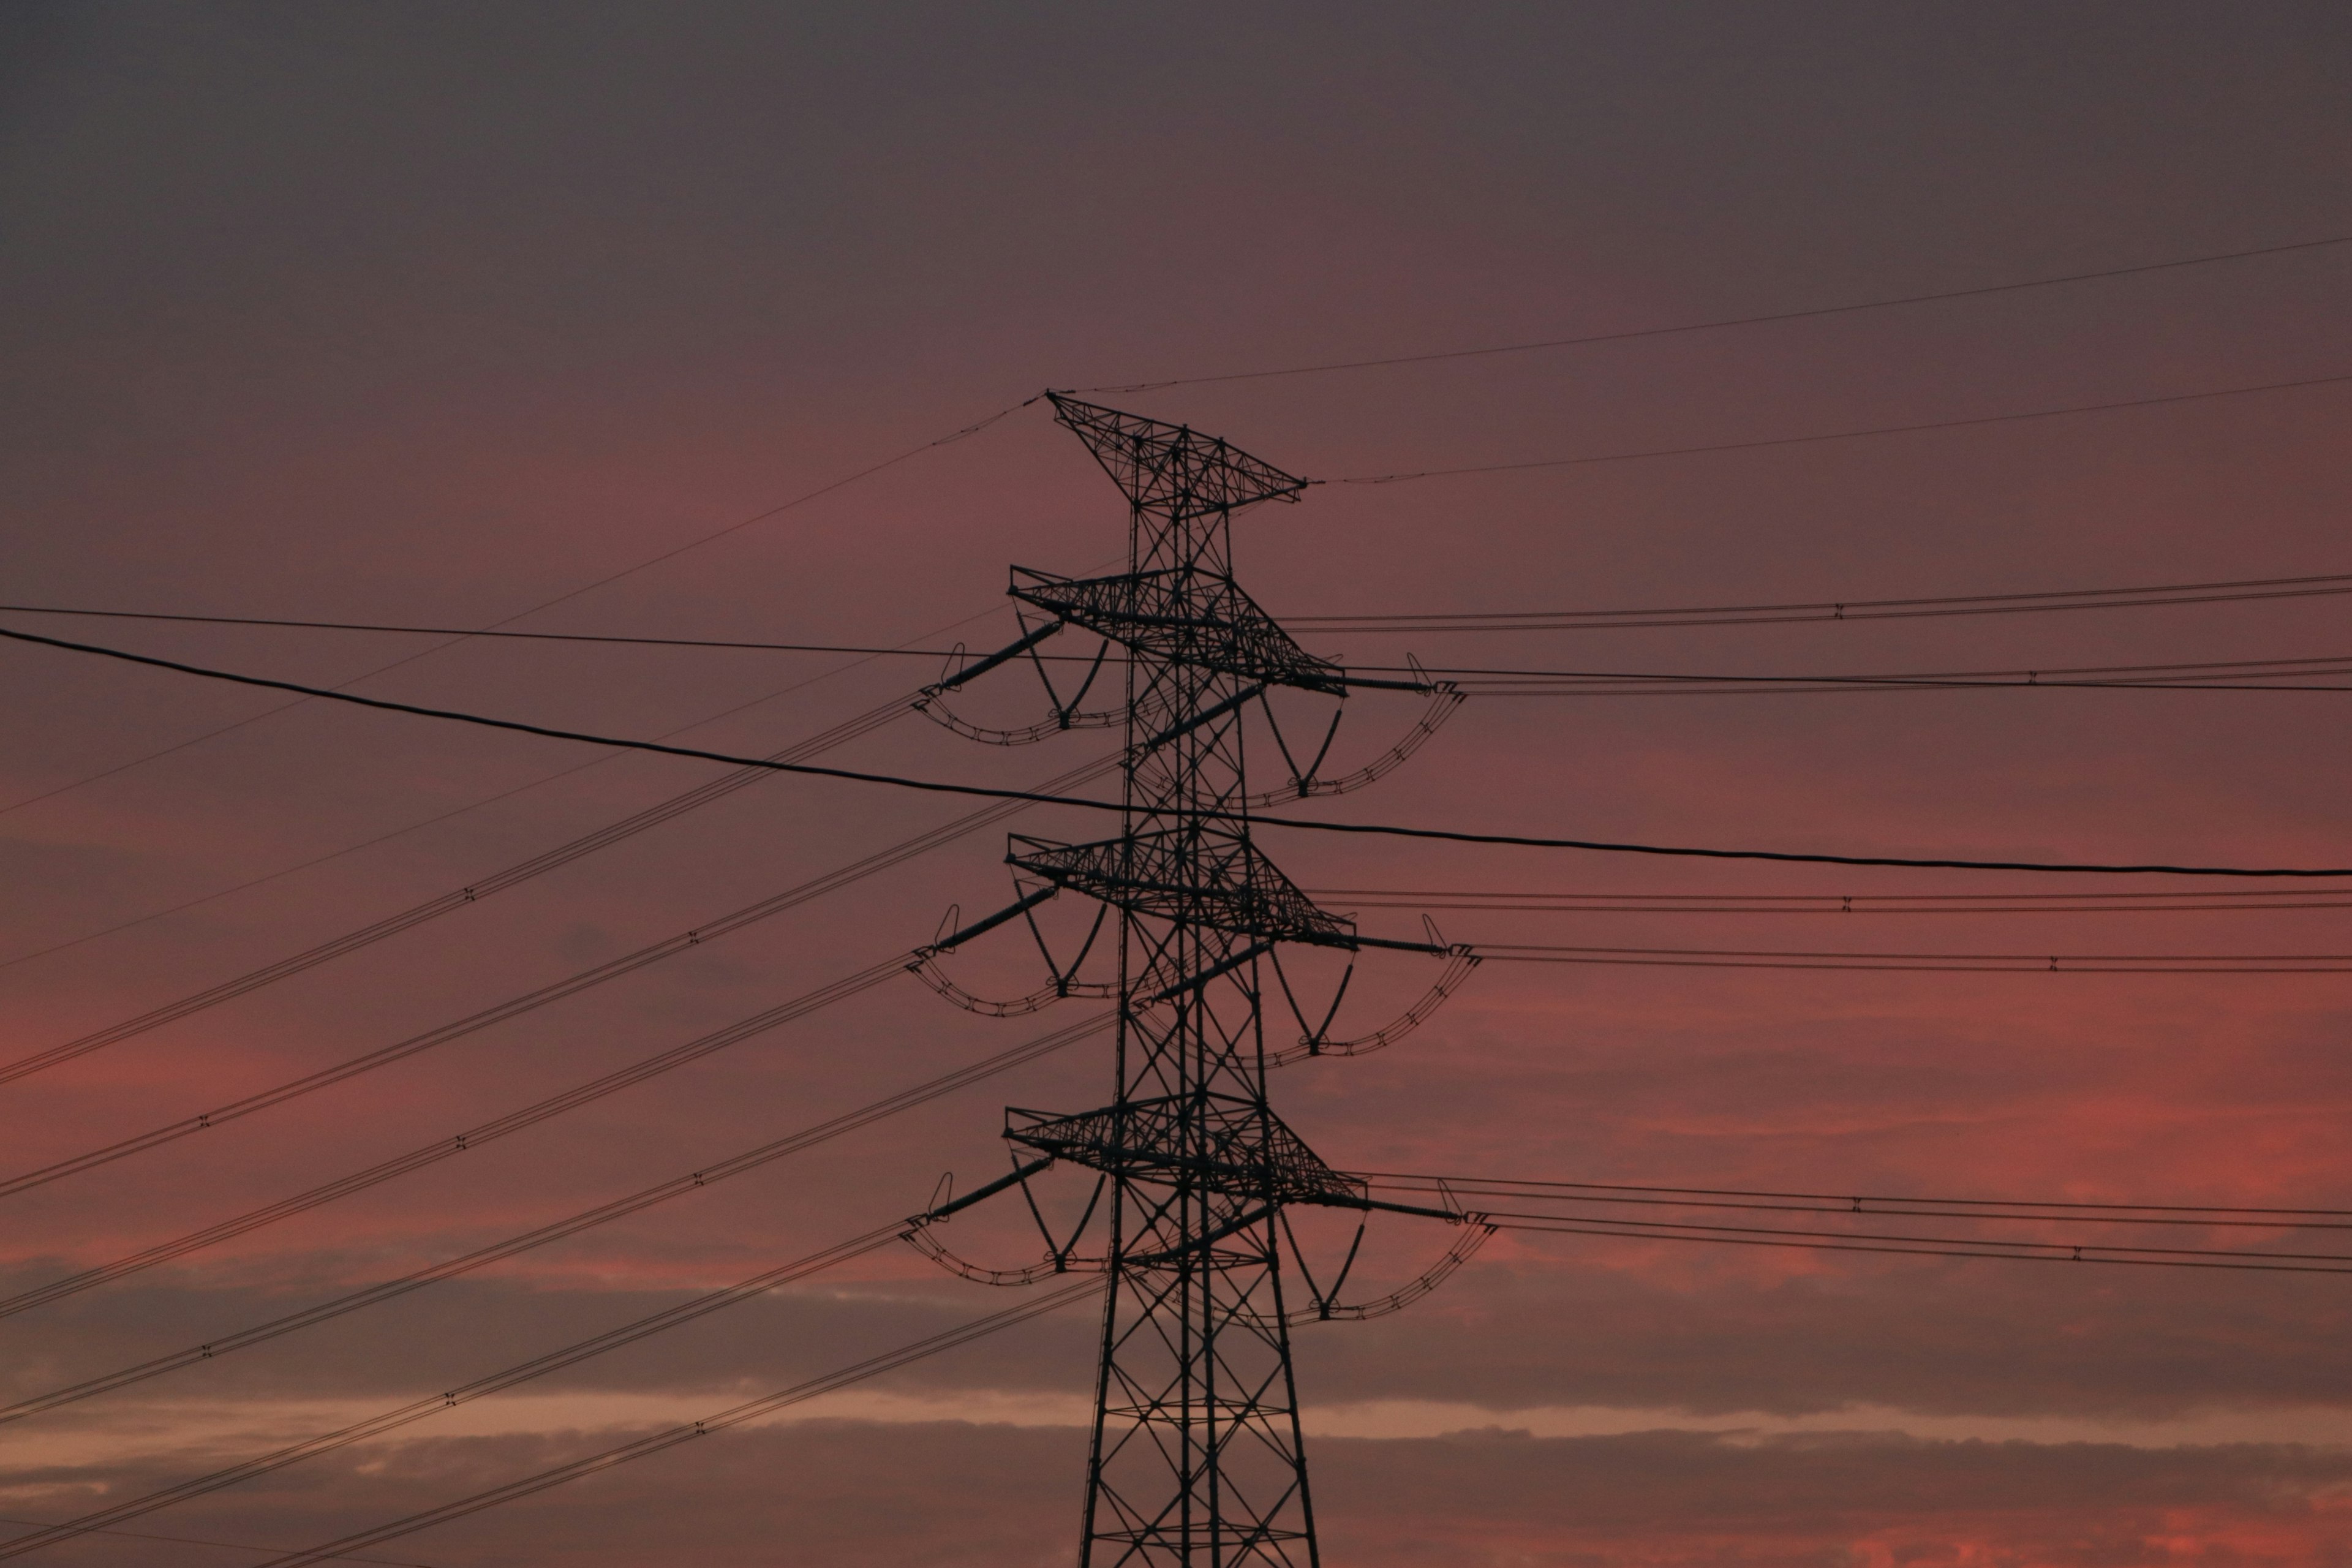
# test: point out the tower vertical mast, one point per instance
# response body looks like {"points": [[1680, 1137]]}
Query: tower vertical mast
{"points": [[1195, 1459], [1196, 1454]]}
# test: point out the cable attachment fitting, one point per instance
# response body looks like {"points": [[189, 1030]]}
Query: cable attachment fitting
{"points": [[1316, 1040], [1060, 1256], [1445, 699], [924, 965], [1474, 1232], [1061, 714], [1045, 1268]]}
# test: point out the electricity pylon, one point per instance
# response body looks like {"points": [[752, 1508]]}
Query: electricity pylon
{"points": [[1196, 1454]]}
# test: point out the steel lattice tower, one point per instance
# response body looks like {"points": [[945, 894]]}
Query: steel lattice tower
{"points": [[1196, 1453], [1196, 1456]]}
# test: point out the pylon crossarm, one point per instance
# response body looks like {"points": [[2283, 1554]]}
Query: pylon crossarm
{"points": [[1197, 875], [1234, 1149], [1449, 1215], [1014, 911], [1020, 1173], [1202, 618], [1172, 469], [1001, 656]]}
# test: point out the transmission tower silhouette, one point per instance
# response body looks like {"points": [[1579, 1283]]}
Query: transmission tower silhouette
{"points": [[1196, 1456]]}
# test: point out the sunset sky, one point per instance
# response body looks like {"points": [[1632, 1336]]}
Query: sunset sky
{"points": [[460, 316]]}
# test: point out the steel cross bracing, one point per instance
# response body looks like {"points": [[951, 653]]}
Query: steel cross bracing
{"points": [[1196, 1456], [1182, 613], [1240, 1146], [1172, 472], [1218, 880]]}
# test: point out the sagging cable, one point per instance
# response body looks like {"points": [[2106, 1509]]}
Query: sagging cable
{"points": [[1461, 960], [1445, 699]]}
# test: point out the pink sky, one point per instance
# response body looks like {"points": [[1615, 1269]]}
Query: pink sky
{"points": [[417, 316]]}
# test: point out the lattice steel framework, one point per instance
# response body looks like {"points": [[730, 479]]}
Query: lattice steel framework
{"points": [[1196, 1456]]}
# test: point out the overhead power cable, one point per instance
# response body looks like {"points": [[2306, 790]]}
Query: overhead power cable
{"points": [[726, 712], [1485, 681], [1719, 323], [474, 1137], [1380, 829], [459, 811], [1929, 1246], [1583, 1197], [1537, 1222], [457, 899], [464, 1394], [734, 1416], [401, 832], [711, 1175], [1928, 963], [2023, 1210], [1860, 686], [1853, 434], [952, 437], [224, 1545], [2012, 903], [531, 1001], [720, 643], [2210, 675], [471, 806], [2325, 585]]}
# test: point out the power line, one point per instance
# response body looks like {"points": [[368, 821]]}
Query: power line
{"points": [[935, 787], [711, 1175], [468, 1393], [224, 1545], [867, 650], [2260, 588], [433, 908], [1839, 904], [432, 821], [1925, 1246], [1479, 680], [1540, 1223], [1100, 426], [1820, 311], [2087, 1207], [475, 1137], [471, 806], [2313, 664], [1815, 1203], [949, 439], [447, 904], [1928, 963], [1843, 434], [1867, 687], [2211, 675], [735, 1416], [531, 1001]]}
